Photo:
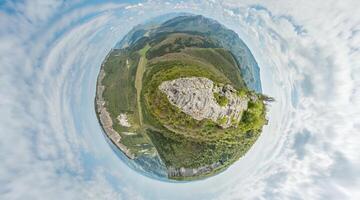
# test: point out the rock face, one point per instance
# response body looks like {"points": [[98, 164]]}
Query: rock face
{"points": [[195, 97]]}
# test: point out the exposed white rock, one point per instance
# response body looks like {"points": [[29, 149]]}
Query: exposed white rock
{"points": [[128, 133], [127, 63], [123, 120], [195, 97]]}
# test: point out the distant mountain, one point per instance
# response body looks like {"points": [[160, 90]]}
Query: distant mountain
{"points": [[197, 24]]}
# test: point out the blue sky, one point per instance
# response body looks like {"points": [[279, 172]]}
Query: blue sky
{"points": [[52, 146]]}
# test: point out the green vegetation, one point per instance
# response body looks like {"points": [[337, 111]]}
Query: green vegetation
{"points": [[242, 93], [220, 99], [222, 60], [254, 118], [143, 51], [222, 120], [138, 78]]}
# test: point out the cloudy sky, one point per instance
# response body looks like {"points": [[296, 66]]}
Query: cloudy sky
{"points": [[51, 144]]}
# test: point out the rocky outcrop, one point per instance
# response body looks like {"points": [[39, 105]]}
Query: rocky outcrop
{"points": [[195, 97]]}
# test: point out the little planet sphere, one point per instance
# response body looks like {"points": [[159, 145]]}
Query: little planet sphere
{"points": [[180, 96]]}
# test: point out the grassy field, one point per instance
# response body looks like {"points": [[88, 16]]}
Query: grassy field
{"points": [[121, 96], [138, 79], [118, 74], [222, 60]]}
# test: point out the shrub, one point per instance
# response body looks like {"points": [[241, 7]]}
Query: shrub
{"points": [[220, 99]]}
